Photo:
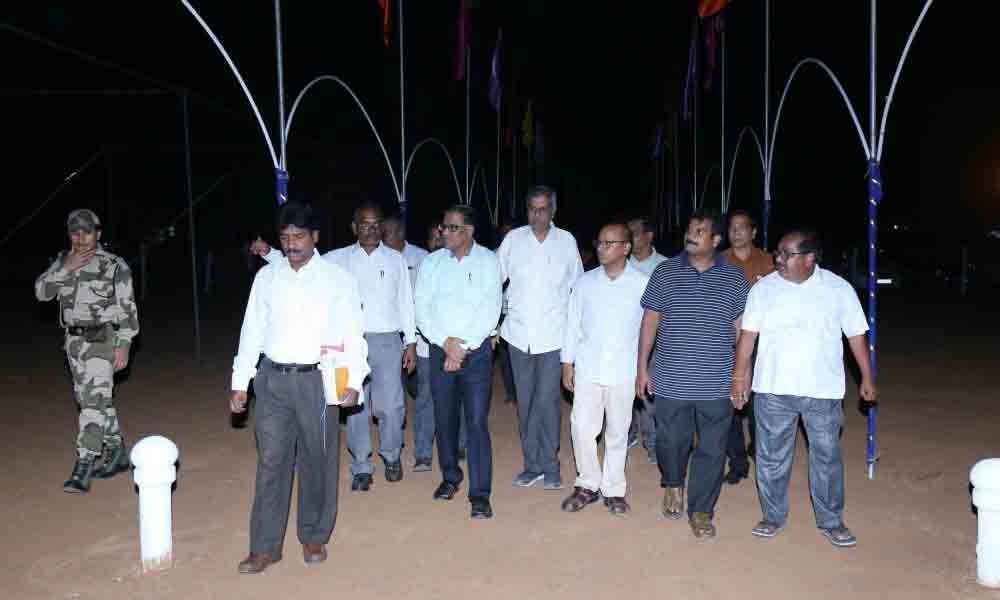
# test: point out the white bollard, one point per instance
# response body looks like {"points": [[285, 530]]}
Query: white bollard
{"points": [[985, 478], [154, 458]]}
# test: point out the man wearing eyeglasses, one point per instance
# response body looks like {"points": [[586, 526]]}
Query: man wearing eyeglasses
{"points": [[387, 307], [598, 366], [693, 305], [458, 306], [801, 314], [542, 262]]}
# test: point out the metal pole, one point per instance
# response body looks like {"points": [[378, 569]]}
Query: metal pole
{"points": [[694, 162], [875, 197], [402, 119], [468, 199], [496, 197], [766, 216], [871, 87], [722, 128], [281, 82], [191, 230]]}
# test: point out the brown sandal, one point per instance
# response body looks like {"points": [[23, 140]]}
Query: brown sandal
{"points": [[580, 498]]}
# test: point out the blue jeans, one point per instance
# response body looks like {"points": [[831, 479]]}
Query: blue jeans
{"points": [[468, 390], [777, 418]]}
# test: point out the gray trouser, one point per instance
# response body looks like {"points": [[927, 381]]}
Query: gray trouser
{"points": [[294, 426], [777, 420], [537, 378], [423, 413], [384, 399]]}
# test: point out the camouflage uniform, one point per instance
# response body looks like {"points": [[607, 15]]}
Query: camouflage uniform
{"points": [[98, 294]]}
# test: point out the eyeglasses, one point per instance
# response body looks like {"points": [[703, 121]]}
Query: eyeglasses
{"points": [[451, 227], [785, 254], [605, 244], [370, 226]]}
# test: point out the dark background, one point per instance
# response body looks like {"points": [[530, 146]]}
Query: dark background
{"points": [[601, 75]]}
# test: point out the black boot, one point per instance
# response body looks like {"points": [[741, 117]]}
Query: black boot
{"points": [[114, 460], [79, 480]]}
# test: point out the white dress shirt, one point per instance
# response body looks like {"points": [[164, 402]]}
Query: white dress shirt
{"points": [[602, 328], [414, 255], [541, 277], [291, 314], [800, 351], [648, 264]]}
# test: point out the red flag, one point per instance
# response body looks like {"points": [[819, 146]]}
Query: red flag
{"points": [[707, 8], [386, 6], [461, 40]]}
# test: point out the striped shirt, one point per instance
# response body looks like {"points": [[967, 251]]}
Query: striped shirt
{"points": [[693, 359]]}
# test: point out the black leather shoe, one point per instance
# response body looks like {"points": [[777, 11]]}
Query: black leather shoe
{"points": [[79, 480], [114, 461], [445, 491], [393, 471], [735, 476], [362, 482], [481, 508]]}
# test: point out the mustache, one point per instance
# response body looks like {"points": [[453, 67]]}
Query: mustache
{"points": [[690, 242]]}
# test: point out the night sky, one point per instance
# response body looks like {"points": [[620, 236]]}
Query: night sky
{"points": [[600, 74]]}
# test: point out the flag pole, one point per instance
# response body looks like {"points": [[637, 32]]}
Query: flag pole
{"points": [[468, 200], [766, 217], [281, 172], [722, 128], [402, 120], [874, 198]]}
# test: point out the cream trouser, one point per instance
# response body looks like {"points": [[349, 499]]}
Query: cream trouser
{"points": [[593, 402]]}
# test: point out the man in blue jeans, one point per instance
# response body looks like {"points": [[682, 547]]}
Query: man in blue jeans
{"points": [[800, 314], [693, 305], [457, 309]]}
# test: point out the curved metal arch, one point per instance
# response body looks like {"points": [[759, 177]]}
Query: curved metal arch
{"points": [[239, 78], [895, 79], [704, 185], [447, 155], [736, 154], [378, 138], [476, 169], [781, 104], [494, 209]]}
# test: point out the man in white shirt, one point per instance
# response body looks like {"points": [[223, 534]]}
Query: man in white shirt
{"points": [[801, 313], [599, 366], [394, 236], [299, 307], [645, 258], [542, 262], [387, 304]]}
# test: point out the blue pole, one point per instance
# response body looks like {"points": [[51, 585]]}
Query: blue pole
{"points": [[281, 185], [874, 199]]}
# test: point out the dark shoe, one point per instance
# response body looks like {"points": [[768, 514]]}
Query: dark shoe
{"points": [[362, 482], [617, 506], [579, 499], [461, 454], [445, 491], [79, 479], [701, 526], [767, 529], [840, 537], [552, 482], [422, 465], [256, 563], [481, 508], [313, 553], [394, 471], [114, 460], [673, 502], [734, 476], [527, 479]]}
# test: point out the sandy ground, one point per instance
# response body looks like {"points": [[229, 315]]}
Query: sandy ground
{"points": [[915, 522]]}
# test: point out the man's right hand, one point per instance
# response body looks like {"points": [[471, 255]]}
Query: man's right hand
{"points": [[259, 247], [739, 391], [238, 401], [567, 376], [453, 349], [642, 384], [74, 260]]}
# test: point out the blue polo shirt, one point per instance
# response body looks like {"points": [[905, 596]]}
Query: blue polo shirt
{"points": [[693, 359]]}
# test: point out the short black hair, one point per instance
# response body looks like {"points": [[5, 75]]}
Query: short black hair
{"points": [[616, 223], [707, 215], [298, 214], [809, 242], [368, 205], [541, 190], [739, 212], [470, 216]]}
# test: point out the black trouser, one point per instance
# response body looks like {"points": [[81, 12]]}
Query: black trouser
{"points": [[295, 429], [736, 447], [676, 423]]}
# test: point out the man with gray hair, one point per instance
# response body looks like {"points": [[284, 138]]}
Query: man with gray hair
{"points": [[542, 262]]}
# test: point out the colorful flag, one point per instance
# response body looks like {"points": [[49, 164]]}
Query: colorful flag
{"points": [[707, 8], [496, 74], [461, 40], [386, 7], [528, 127]]}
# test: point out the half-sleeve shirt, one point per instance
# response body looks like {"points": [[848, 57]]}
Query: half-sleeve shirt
{"points": [[693, 359]]}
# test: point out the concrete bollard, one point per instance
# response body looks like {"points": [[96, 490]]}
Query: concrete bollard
{"points": [[154, 458], [985, 478]]}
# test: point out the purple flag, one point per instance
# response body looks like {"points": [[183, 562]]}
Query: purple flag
{"points": [[496, 74]]}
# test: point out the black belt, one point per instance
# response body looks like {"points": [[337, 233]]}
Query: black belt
{"points": [[291, 368], [83, 330]]}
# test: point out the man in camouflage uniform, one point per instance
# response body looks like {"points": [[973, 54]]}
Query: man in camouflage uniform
{"points": [[97, 310]]}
